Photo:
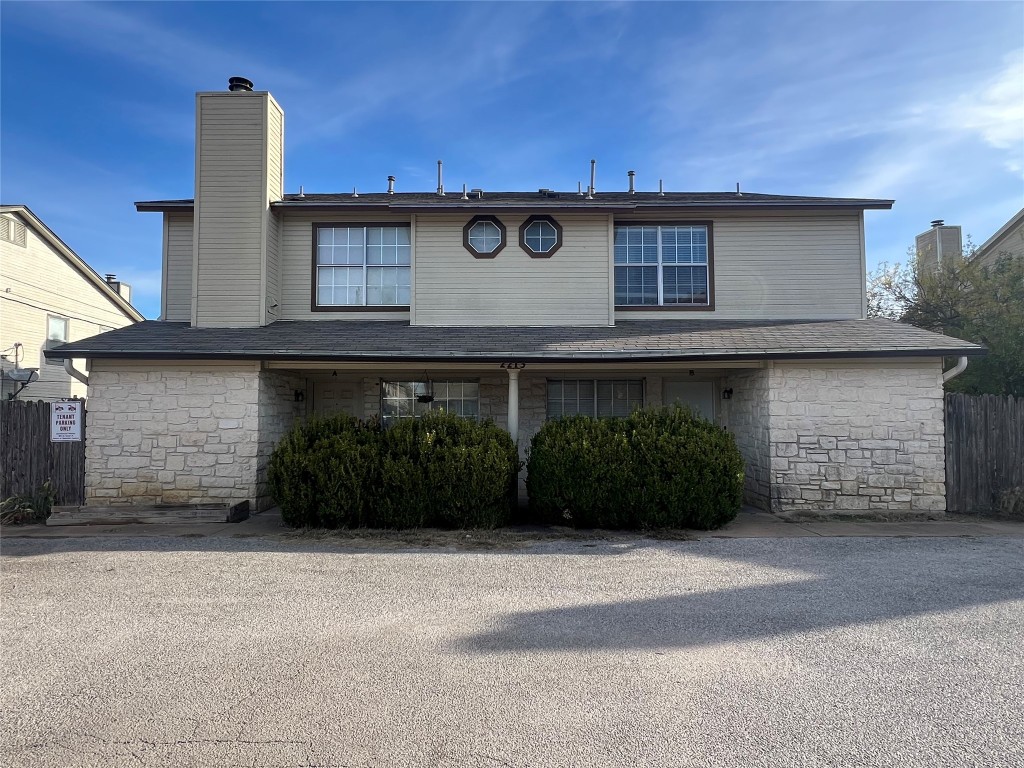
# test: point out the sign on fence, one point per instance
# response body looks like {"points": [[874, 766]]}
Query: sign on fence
{"points": [[66, 421]]}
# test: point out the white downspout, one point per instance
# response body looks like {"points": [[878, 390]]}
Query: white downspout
{"points": [[69, 366], [513, 404], [956, 370]]}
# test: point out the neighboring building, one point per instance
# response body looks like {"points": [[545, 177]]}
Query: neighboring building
{"points": [[49, 296], [1008, 241], [515, 306], [941, 240]]}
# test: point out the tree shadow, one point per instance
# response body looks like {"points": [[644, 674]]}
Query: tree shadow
{"points": [[848, 582]]}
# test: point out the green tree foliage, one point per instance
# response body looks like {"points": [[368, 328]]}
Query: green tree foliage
{"points": [[965, 299], [658, 468]]}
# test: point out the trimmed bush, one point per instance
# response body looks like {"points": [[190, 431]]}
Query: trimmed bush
{"points": [[438, 471], [658, 468]]}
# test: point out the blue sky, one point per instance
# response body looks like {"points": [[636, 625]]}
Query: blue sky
{"points": [[921, 102]]}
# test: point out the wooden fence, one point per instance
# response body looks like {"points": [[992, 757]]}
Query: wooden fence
{"points": [[984, 452], [28, 458]]}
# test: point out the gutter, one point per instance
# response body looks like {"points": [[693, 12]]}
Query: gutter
{"points": [[69, 366], [956, 370]]}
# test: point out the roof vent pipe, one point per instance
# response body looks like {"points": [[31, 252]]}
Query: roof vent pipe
{"points": [[740, 194], [440, 182], [593, 179], [391, 185], [464, 195], [579, 188], [239, 84], [632, 176], [938, 223], [661, 187], [302, 192], [354, 193]]}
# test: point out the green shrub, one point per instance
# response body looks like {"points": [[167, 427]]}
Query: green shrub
{"points": [[658, 468], [437, 471], [28, 508]]}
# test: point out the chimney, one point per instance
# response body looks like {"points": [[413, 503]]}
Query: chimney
{"points": [[938, 242], [239, 173], [121, 289]]}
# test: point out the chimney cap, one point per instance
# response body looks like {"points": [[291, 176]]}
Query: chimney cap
{"points": [[239, 84], [938, 223], [110, 277]]}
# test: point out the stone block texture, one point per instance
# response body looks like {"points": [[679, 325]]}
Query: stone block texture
{"points": [[184, 434], [843, 438]]}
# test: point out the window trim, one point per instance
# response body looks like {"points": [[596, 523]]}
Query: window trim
{"points": [[547, 384], [478, 418], [317, 226], [540, 254], [473, 222], [710, 306]]}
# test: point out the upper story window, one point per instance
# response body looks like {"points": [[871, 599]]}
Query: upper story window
{"points": [[362, 265], [13, 231], [667, 265], [484, 236], [56, 334], [540, 236]]}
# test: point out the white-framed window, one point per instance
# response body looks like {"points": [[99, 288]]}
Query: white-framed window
{"points": [[411, 399], [663, 265], [56, 334], [362, 266], [594, 397], [540, 236]]}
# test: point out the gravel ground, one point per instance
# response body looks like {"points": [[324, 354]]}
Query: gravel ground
{"points": [[743, 652]]}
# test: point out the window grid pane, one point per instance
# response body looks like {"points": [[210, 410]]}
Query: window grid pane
{"points": [[359, 266], [600, 398], [679, 272], [485, 236], [399, 399]]}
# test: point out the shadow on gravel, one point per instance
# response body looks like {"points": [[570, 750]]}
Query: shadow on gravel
{"points": [[850, 581]]}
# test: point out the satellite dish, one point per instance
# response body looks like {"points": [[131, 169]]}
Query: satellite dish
{"points": [[23, 375]]}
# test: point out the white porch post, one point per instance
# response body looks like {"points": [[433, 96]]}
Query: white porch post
{"points": [[513, 404]]}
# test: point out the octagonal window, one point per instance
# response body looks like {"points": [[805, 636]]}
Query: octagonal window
{"points": [[540, 236], [484, 236]]}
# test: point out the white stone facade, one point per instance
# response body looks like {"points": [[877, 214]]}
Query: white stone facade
{"points": [[183, 433], [817, 438]]}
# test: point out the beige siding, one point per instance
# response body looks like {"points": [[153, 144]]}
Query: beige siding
{"points": [[36, 281], [296, 289], [781, 267], [454, 288], [231, 206], [1010, 243], [177, 297]]}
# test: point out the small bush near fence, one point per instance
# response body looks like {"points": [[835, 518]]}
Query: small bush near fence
{"points": [[659, 468], [438, 471]]}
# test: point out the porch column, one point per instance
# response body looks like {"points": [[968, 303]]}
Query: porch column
{"points": [[513, 404]]}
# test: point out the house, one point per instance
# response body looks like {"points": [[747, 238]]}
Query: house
{"points": [[1007, 241], [514, 306], [48, 296]]}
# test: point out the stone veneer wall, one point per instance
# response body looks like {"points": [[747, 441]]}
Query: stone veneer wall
{"points": [[185, 433], [857, 437], [278, 411], [745, 414]]}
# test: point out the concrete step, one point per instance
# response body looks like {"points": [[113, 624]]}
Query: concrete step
{"points": [[172, 514]]}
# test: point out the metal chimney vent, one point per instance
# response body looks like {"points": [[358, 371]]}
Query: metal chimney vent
{"points": [[239, 84], [938, 223]]}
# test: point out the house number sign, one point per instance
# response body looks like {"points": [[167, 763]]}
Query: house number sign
{"points": [[66, 422]]}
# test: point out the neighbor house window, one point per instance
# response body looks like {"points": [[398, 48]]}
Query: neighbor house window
{"points": [[484, 236], [411, 399], [56, 334], [540, 236], [362, 266], [594, 397], [665, 265]]}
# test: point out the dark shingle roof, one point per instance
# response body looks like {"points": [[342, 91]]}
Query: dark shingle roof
{"points": [[639, 340], [533, 200]]}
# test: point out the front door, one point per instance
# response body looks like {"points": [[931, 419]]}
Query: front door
{"points": [[698, 395]]}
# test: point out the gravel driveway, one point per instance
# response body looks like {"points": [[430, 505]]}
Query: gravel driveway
{"points": [[753, 652]]}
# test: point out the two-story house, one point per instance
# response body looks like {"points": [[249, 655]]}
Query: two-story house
{"points": [[513, 306], [49, 296]]}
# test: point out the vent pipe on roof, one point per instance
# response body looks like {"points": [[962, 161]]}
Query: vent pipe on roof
{"points": [[661, 187], [464, 195], [579, 188], [354, 193], [239, 84], [593, 179], [632, 176], [738, 189], [938, 223], [302, 192], [440, 182], [391, 185]]}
